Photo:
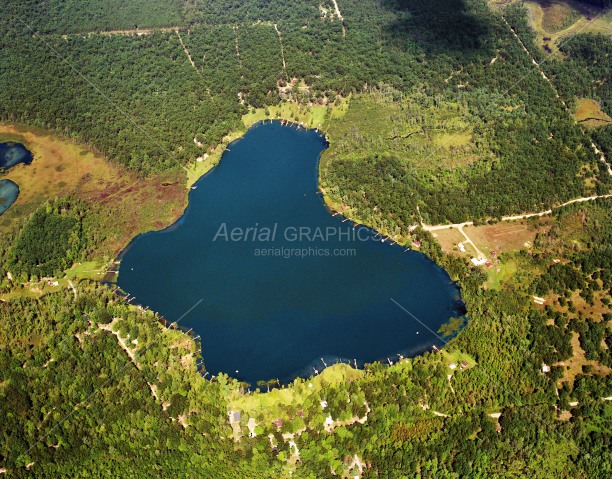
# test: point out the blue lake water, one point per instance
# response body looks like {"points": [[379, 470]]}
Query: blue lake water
{"points": [[274, 302], [9, 191], [11, 154]]}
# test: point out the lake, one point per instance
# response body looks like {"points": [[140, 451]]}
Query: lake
{"points": [[11, 154], [9, 191], [284, 286]]}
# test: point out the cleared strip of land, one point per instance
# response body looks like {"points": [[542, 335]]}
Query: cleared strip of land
{"points": [[515, 217]]}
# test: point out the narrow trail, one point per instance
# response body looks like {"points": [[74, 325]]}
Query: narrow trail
{"points": [[178, 34], [514, 217], [599, 153], [537, 65], [340, 17], [73, 289], [280, 40], [237, 47], [130, 353], [139, 32]]}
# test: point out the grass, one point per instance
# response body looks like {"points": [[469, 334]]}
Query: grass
{"points": [[589, 113], [508, 236], [501, 273], [122, 204], [503, 237], [312, 116], [378, 124], [455, 357], [557, 20], [273, 404], [89, 270], [207, 162], [557, 16], [450, 238]]}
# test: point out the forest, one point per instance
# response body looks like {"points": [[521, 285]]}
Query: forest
{"points": [[144, 102], [73, 399], [448, 120]]}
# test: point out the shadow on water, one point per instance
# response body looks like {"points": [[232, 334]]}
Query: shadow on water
{"points": [[437, 25]]}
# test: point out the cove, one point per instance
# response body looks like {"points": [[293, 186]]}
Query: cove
{"points": [[11, 154], [284, 286]]}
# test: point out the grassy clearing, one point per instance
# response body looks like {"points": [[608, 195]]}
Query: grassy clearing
{"points": [[509, 236], [377, 124], [123, 205], [89, 270], [557, 20], [456, 357], [273, 404], [311, 116], [501, 273], [208, 161], [450, 238], [557, 16], [589, 113]]}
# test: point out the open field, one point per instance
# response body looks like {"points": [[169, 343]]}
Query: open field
{"points": [[272, 404], [494, 240], [589, 113], [555, 20], [508, 236], [450, 238], [503, 237], [123, 204]]}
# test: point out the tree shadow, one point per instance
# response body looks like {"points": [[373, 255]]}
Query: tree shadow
{"points": [[437, 25]]}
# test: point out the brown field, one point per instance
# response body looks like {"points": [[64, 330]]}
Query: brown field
{"points": [[507, 236], [124, 205], [589, 113], [449, 239], [503, 237]]}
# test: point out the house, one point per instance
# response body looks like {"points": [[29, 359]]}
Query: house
{"points": [[461, 247], [236, 416], [478, 262], [416, 243], [278, 422], [452, 366], [464, 364], [545, 368], [323, 404]]}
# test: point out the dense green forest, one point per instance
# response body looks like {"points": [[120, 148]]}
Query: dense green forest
{"points": [[74, 16], [50, 242], [448, 120], [142, 101], [73, 400]]}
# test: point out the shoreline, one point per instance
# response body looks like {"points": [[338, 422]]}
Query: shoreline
{"points": [[307, 371]]}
